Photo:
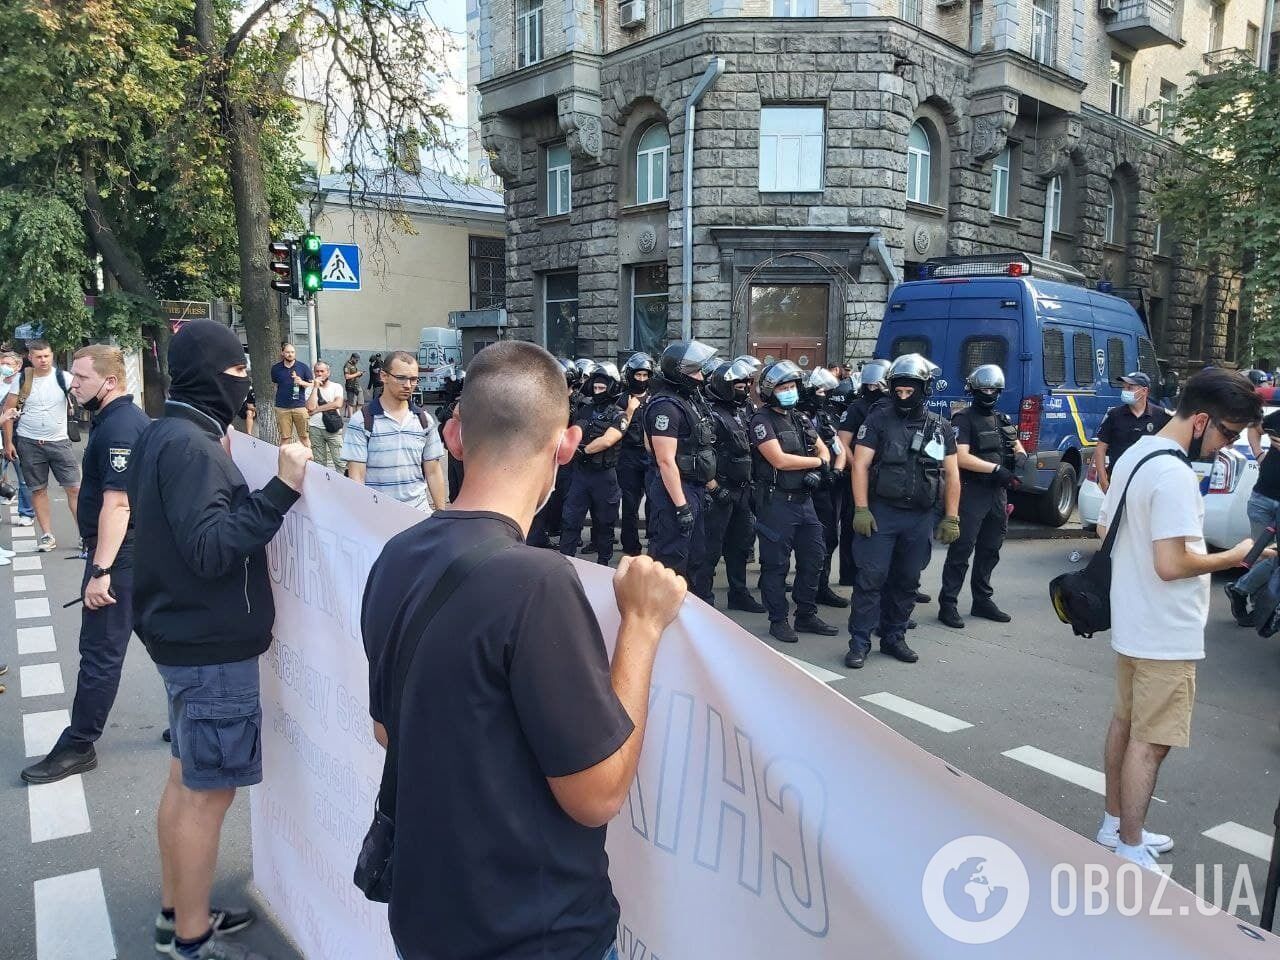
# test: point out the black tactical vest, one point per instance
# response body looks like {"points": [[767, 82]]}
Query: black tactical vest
{"points": [[733, 446], [695, 451], [902, 473], [595, 420], [633, 439], [795, 435], [991, 438]]}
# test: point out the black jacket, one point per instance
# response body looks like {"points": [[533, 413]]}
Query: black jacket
{"points": [[201, 594]]}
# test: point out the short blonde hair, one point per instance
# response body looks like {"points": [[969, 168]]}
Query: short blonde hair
{"points": [[108, 361]]}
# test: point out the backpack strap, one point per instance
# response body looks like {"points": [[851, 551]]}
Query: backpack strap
{"points": [[1110, 540], [424, 418], [24, 390]]}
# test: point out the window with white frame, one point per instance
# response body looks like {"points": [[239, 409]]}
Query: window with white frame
{"points": [[795, 8], [1119, 81], [559, 180], [1042, 32], [1168, 103], [1110, 215], [1053, 205], [1252, 38], [975, 25], [670, 14], [919, 164], [791, 148], [1000, 182], [1217, 22], [912, 11], [528, 32], [652, 152]]}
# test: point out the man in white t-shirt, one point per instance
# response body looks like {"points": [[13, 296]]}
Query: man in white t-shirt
{"points": [[325, 396], [1160, 597], [39, 439]]}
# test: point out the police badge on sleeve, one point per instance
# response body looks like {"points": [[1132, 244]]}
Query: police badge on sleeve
{"points": [[662, 421], [118, 457], [761, 432]]}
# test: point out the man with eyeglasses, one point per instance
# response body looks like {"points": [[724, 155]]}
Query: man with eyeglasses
{"points": [[395, 448]]}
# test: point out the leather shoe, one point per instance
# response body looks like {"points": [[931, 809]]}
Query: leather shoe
{"points": [[60, 764], [167, 736], [1239, 607], [815, 624], [854, 659], [745, 602], [950, 616], [923, 597], [829, 598], [988, 610], [900, 651], [781, 631]]}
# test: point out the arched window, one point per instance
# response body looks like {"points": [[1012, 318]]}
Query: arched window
{"points": [[652, 151], [919, 164], [1111, 216]]}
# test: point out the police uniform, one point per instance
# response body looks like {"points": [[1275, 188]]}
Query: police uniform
{"points": [[904, 488], [1120, 429], [785, 516], [984, 516], [829, 499], [686, 419], [104, 633], [855, 414], [728, 521], [594, 485], [633, 463], [444, 413]]}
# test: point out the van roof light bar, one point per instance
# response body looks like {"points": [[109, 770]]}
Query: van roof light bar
{"points": [[1010, 264]]}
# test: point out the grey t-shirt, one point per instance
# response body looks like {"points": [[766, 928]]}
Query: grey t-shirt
{"points": [[44, 414]]}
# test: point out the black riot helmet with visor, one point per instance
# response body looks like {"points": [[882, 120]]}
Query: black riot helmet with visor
{"points": [[730, 382], [572, 377], [686, 363], [914, 371], [638, 363], [874, 378], [603, 373], [984, 385], [777, 375], [817, 387]]}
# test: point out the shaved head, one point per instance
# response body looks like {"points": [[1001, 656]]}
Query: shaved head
{"points": [[515, 403]]}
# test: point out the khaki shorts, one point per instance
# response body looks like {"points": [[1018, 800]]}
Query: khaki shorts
{"points": [[292, 423], [1156, 697]]}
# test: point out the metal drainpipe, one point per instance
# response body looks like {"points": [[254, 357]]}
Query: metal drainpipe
{"points": [[713, 71], [1268, 24]]}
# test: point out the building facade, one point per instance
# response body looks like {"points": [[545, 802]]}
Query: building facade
{"points": [[836, 146]]}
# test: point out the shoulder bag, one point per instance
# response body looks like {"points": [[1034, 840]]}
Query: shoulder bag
{"points": [[1082, 598], [373, 865]]}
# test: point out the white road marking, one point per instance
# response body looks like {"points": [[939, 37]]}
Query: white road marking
{"points": [[1242, 838], [57, 809], [918, 712], [41, 679], [31, 608], [33, 583], [40, 731], [1060, 767], [823, 674], [36, 640], [72, 922], [25, 563], [21, 532], [24, 546]]}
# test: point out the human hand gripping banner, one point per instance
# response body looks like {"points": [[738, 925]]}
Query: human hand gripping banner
{"points": [[757, 826]]}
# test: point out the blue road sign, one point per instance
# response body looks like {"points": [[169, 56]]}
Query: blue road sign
{"points": [[340, 266]]}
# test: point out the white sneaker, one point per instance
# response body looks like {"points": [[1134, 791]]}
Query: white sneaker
{"points": [[1140, 855], [7, 553], [47, 543], [23, 521], [5, 561], [1158, 842]]}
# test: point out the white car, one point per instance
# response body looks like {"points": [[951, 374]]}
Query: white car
{"points": [[1226, 484]]}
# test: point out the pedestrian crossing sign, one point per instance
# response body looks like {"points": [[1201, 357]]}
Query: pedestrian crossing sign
{"points": [[341, 266]]}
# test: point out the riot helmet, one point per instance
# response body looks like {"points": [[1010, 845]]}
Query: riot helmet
{"points": [[730, 382], [1259, 378], [572, 377], [637, 363], [607, 374], [777, 375], [817, 387], [874, 382], [914, 371], [686, 363], [984, 385]]}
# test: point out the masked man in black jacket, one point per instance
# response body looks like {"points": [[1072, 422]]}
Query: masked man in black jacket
{"points": [[203, 607]]}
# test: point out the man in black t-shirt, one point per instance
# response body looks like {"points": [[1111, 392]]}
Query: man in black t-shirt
{"points": [[1125, 425], [518, 740], [1264, 511]]}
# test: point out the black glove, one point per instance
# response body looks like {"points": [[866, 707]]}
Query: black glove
{"points": [[828, 474], [812, 479], [721, 494], [684, 519], [1003, 476]]}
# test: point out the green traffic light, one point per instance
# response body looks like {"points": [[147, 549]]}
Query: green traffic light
{"points": [[311, 243], [311, 281]]}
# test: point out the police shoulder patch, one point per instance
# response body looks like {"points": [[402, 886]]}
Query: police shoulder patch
{"points": [[622, 423], [862, 431], [118, 457], [761, 431], [662, 421]]}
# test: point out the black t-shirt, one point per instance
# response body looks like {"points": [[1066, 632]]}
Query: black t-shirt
{"points": [[664, 417], [509, 687], [116, 428], [1268, 484], [856, 412], [1120, 429], [884, 415]]}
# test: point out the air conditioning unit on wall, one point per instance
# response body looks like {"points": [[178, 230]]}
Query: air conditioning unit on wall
{"points": [[948, 4], [631, 14], [1108, 8], [1143, 115]]}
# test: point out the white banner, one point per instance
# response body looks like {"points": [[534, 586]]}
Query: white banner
{"points": [[771, 816]]}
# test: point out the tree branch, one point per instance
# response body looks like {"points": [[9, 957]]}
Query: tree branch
{"points": [[237, 38]]}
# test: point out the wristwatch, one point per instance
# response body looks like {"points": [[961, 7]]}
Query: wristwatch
{"points": [[96, 571]]}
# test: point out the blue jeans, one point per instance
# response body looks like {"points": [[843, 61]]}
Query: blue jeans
{"points": [[1263, 512], [24, 495]]}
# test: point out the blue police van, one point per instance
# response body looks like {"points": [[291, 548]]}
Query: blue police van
{"points": [[1063, 348]]}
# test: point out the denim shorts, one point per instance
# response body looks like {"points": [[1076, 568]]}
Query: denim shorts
{"points": [[215, 721]]}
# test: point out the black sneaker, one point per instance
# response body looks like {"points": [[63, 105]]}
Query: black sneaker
{"points": [[900, 651], [855, 659], [815, 624], [988, 610], [829, 598], [222, 920], [1239, 607], [167, 736], [60, 764], [950, 616], [781, 631], [744, 602]]}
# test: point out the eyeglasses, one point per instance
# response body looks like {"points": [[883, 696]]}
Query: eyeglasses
{"points": [[1231, 436], [403, 379]]}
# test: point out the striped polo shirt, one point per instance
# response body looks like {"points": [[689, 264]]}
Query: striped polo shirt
{"points": [[393, 456]]}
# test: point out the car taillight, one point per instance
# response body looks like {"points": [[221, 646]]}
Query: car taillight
{"points": [[1224, 476], [1029, 422]]}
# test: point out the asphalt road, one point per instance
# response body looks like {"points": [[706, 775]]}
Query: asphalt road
{"points": [[81, 873]]}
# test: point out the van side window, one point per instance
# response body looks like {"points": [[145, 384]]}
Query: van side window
{"points": [[1082, 359], [905, 345], [979, 350], [1115, 360], [1055, 357], [1147, 359]]}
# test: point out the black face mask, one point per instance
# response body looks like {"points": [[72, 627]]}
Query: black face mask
{"points": [[638, 388], [911, 405], [741, 395], [984, 401], [94, 403], [1195, 450], [198, 355], [870, 393]]}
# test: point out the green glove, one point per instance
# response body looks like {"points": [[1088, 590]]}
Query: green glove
{"points": [[864, 521], [948, 530]]}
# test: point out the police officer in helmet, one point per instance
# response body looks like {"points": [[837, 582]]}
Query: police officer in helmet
{"points": [[791, 462], [680, 436], [454, 377], [546, 523], [989, 456], [594, 486], [904, 463], [817, 403], [872, 388], [633, 459], [756, 366], [729, 523]]}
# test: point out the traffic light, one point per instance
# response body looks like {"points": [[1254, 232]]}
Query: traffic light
{"points": [[312, 281], [283, 257]]}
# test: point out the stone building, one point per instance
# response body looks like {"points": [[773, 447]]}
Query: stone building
{"points": [[836, 145]]}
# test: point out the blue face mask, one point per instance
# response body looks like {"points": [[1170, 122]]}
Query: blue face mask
{"points": [[1128, 396], [787, 398]]}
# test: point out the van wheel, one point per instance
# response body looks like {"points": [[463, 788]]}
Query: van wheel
{"points": [[1057, 505]]}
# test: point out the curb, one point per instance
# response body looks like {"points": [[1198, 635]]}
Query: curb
{"points": [[1034, 531]]}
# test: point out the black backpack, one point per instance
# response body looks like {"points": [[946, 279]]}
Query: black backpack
{"points": [[1082, 598]]}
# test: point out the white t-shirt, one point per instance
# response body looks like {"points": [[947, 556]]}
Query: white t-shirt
{"points": [[327, 393], [44, 415], [1152, 619]]}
